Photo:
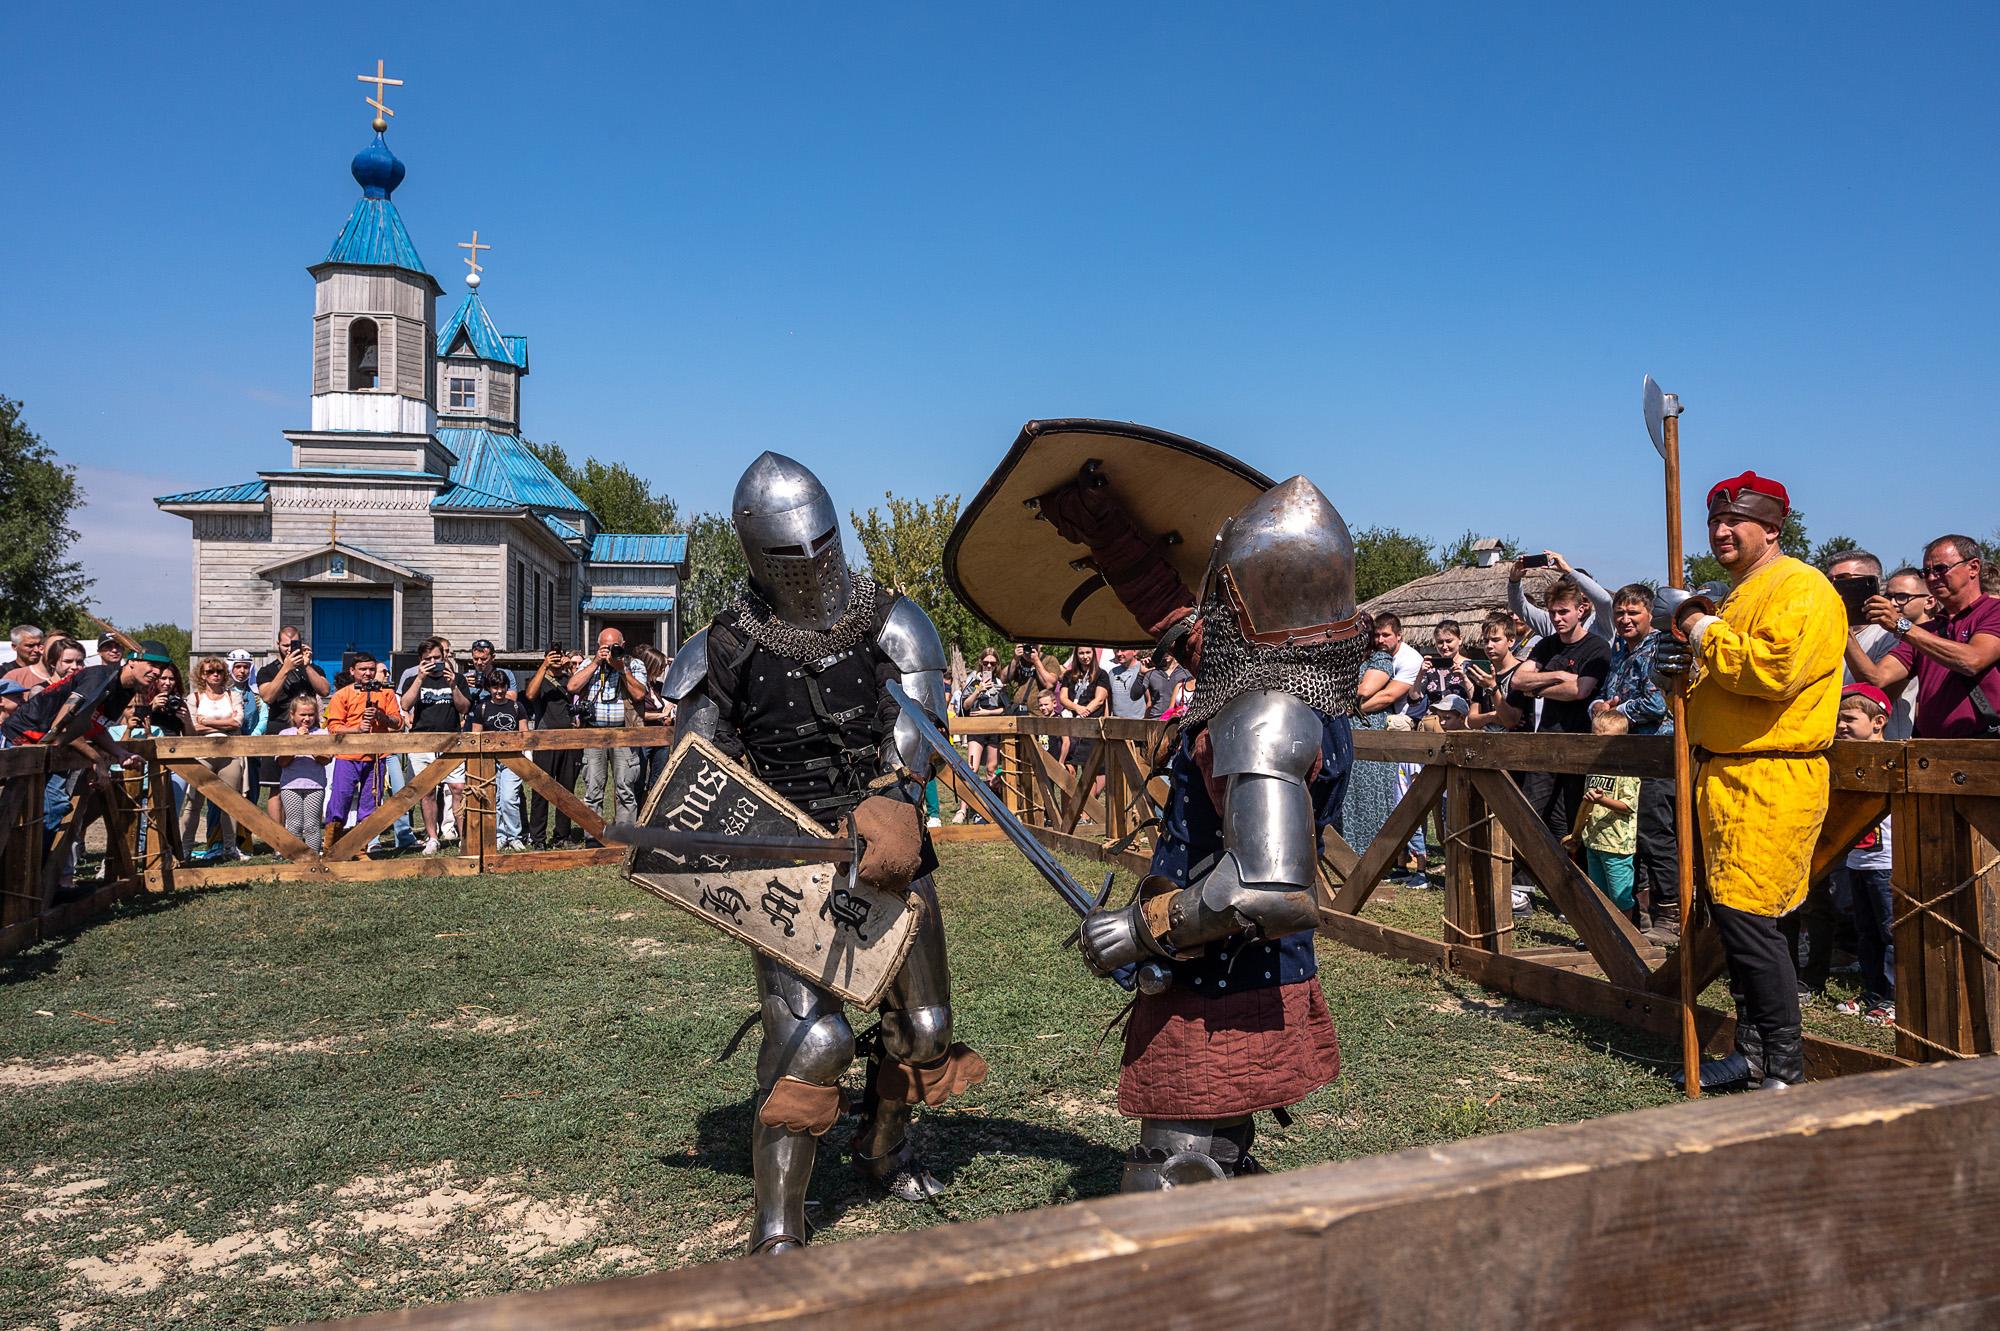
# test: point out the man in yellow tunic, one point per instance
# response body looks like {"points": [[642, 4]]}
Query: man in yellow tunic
{"points": [[1760, 714]]}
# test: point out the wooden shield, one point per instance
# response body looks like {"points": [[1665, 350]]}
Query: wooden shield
{"points": [[1014, 571], [846, 937]]}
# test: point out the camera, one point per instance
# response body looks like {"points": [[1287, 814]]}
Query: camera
{"points": [[1534, 561], [617, 650], [1854, 594]]}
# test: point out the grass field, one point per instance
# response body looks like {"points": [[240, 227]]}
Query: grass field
{"points": [[285, 1101]]}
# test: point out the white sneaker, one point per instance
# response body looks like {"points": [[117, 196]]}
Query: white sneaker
{"points": [[431, 846], [932, 822], [450, 831]]}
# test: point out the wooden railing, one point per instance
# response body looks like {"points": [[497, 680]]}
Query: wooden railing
{"points": [[140, 797], [1944, 797]]}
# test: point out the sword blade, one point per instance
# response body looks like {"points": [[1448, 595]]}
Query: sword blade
{"points": [[1071, 891], [800, 849]]}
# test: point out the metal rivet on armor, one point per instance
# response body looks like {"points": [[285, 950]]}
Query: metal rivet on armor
{"points": [[1222, 984], [1267, 975]]}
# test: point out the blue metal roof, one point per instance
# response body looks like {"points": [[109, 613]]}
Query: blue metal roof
{"points": [[621, 548], [250, 492], [629, 605], [463, 498], [500, 464], [563, 530], [373, 473], [471, 320], [375, 237]]}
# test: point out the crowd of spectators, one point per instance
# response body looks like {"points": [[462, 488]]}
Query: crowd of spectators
{"points": [[1923, 661]]}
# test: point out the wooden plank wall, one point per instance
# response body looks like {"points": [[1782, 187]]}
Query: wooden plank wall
{"points": [[1863, 1202]]}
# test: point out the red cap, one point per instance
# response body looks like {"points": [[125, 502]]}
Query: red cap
{"points": [[1868, 691], [1758, 498]]}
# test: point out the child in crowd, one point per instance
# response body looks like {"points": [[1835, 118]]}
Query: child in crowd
{"points": [[302, 780], [1608, 822], [497, 709], [1864, 714]]}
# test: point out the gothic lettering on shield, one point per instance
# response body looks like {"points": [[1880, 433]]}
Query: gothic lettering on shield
{"points": [[724, 900], [848, 912], [781, 905]]}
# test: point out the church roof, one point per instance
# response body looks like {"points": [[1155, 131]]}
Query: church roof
{"points": [[249, 492], [472, 322], [564, 531], [501, 465], [622, 548], [464, 499], [375, 236]]}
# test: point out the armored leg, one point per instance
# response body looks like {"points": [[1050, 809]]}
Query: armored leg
{"points": [[807, 1045], [917, 1060], [1174, 1153]]}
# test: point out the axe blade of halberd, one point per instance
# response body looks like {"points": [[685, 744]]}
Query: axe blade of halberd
{"points": [[1658, 406]]}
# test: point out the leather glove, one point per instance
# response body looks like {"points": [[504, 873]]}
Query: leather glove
{"points": [[1673, 661], [1674, 605], [892, 842], [1110, 939]]}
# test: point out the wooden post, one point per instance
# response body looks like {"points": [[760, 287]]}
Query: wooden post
{"points": [[1479, 869], [159, 865], [477, 827], [1684, 835]]}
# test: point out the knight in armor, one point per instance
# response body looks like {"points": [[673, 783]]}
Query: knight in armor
{"points": [[1229, 907], [790, 681]]}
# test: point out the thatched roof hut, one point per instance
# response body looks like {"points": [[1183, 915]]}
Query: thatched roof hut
{"points": [[1464, 593]]}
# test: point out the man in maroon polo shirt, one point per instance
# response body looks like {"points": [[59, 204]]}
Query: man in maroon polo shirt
{"points": [[1953, 655]]}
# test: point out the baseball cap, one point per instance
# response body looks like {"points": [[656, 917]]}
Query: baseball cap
{"points": [[108, 640], [1868, 691], [1451, 702], [153, 651], [10, 687], [238, 655], [485, 644]]}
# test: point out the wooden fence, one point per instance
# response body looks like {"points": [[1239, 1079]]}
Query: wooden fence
{"points": [[1944, 796], [28, 875]]}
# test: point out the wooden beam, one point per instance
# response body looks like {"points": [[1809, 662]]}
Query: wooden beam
{"points": [[1388, 843], [392, 807], [1611, 937], [1531, 1228], [209, 783], [1587, 995], [556, 793]]}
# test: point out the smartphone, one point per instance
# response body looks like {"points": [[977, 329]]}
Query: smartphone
{"points": [[1533, 561], [1854, 594]]}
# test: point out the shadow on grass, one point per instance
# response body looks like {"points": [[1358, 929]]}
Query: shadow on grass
{"points": [[947, 1143], [46, 954]]}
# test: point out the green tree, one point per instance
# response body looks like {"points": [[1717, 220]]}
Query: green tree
{"points": [[622, 500], [38, 496], [905, 549], [1386, 558], [715, 568], [1832, 548], [173, 637], [1459, 553]]}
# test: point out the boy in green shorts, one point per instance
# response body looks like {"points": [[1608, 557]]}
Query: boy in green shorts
{"points": [[1608, 821]]}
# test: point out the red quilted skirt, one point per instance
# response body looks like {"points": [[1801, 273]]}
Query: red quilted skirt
{"points": [[1191, 1056]]}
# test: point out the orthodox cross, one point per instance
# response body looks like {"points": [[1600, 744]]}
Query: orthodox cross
{"points": [[472, 259], [382, 85]]}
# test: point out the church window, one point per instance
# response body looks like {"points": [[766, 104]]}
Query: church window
{"points": [[464, 394], [363, 354], [520, 601]]}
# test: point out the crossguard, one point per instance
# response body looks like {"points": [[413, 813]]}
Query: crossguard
{"points": [[855, 847], [1103, 895]]}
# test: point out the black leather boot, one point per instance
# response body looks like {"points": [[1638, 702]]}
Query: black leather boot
{"points": [[1740, 1069], [1784, 1059]]}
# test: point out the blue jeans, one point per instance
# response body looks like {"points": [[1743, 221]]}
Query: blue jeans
{"points": [[1874, 908], [507, 790], [396, 772]]}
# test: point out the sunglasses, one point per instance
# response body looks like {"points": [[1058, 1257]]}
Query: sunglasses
{"points": [[1936, 572]]}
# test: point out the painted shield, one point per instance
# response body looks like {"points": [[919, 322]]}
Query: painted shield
{"points": [[845, 936], [1010, 565]]}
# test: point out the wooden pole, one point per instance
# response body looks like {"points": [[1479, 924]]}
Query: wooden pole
{"points": [[1683, 779]]}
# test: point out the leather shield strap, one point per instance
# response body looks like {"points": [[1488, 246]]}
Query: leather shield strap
{"points": [[892, 842], [932, 1084], [801, 1106]]}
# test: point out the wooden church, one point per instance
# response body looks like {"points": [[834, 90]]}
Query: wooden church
{"points": [[410, 505]]}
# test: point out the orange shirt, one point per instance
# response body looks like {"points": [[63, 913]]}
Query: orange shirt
{"points": [[344, 709]]}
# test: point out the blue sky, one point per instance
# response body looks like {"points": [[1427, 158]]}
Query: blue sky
{"points": [[1421, 253]]}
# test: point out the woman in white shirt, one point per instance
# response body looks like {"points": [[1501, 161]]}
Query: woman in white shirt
{"points": [[214, 709]]}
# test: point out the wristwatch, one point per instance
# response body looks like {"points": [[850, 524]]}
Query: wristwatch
{"points": [[1903, 625]]}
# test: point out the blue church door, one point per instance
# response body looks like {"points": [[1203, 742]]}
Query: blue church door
{"points": [[342, 624]]}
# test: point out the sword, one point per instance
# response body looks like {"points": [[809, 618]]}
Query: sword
{"points": [[1149, 976], [797, 849]]}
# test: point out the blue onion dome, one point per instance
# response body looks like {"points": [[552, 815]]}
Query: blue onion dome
{"points": [[377, 170]]}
